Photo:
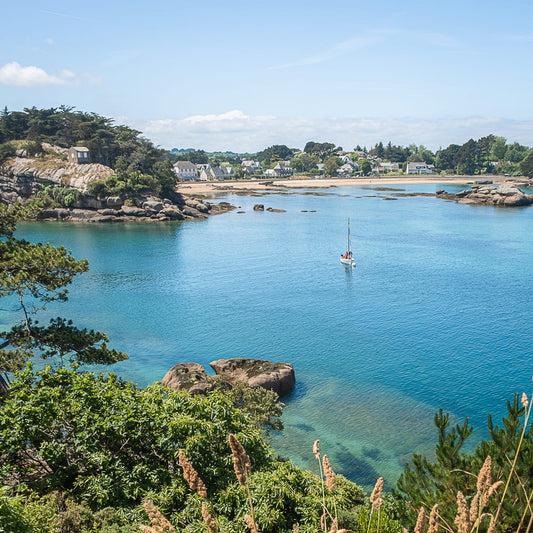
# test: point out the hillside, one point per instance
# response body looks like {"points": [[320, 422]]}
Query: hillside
{"points": [[88, 192]]}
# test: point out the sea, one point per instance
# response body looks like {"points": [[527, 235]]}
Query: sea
{"points": [[436, 314]]}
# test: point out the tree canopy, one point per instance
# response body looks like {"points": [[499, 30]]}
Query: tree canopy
{"points": [[31, 276], [119, 147]]}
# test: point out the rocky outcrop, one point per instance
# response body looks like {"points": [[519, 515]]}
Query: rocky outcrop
{"points": [[187, 376], [506, 195], [22, 178], [278, 377]]}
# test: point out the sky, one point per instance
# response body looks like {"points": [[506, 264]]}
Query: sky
{"points": [[244, 75]]}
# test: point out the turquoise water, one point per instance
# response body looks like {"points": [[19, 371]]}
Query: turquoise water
{"points": [[437, 312]]}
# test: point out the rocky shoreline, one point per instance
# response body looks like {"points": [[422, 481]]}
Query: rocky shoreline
{"points": [[23, 178], [505, 195], [116, 209]]}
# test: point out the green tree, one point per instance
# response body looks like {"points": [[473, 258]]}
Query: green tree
{"points": [[277, 152], [365, 167], [331, 164], [515, 153], [31, 276], [427, 482], [304, 162], [498, 148], [526, 165], [321, 150]]}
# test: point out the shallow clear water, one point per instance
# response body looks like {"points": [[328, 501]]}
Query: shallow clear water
{"points": [[437, 312]]}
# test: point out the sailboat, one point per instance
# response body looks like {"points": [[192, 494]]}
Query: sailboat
{"points": [[347, 258]]}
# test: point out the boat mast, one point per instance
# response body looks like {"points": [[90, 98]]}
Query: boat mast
{"points": [[349, 246]]}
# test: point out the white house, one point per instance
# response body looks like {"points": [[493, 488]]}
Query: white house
{"points": [[185, 170], [250, 167], [345, 170], [419, 167], [385, 166], [282, 169]]}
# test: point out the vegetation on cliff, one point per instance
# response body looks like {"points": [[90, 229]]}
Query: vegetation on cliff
{"points": [[137, 163]]}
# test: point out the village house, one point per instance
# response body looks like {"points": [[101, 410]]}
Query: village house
{"points": [[345, 170], [419, 167], [185, 170], [79, 155], [251, 167], [385, 166], [209, 173], [282, 169]]}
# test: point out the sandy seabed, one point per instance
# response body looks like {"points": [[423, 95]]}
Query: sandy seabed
{"points": [[207, 187]]}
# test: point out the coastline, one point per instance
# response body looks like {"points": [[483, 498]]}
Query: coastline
{"points": [[207, 187]]}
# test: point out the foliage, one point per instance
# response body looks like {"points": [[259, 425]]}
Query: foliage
{"points": [[283, 496], [31, 276], [427, 483], [304, 162], [114, 146], [56, 513], [107, 442], [526, 166], [322, 150], [365, 167], [262, 405], [331, 164], [275, 153], [32, 147], [382, 521], [58, 196], [7, 150]]}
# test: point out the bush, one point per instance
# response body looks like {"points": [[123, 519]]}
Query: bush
{"points": [[32, 148], [7, 150], [107, 442]]}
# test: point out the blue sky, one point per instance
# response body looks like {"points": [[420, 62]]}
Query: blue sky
{"points": [[243, 75]]}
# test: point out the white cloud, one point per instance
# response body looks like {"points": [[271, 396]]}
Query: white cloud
{"points": [[15, 74], [239, 132]]}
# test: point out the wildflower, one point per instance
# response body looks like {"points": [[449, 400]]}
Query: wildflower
{"points": [[328, 473], [191, 476], [316, 450], [375, 498], [241, 461]]}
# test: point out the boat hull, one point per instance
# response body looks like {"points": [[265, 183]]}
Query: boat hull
{"points": [[347, 262]]}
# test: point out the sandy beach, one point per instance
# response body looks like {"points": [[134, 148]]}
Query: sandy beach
{"points": [[206, 187]]}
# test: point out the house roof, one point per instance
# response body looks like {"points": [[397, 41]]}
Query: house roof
{"points": [[185, 165]]}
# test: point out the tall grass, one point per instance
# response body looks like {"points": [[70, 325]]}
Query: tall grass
{"points": [[475, 513]]}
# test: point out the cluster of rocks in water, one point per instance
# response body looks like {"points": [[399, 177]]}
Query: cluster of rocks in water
{"points": [[261, 207], [505, 195], [193, 377], [117, 209], [23, 178]]}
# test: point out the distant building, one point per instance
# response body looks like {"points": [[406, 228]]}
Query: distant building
{"points": [[209, 173], [185, 170], [251, 167], [387, 167], [419, 167], [345, 170], [79, 155], [282, 169]]}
